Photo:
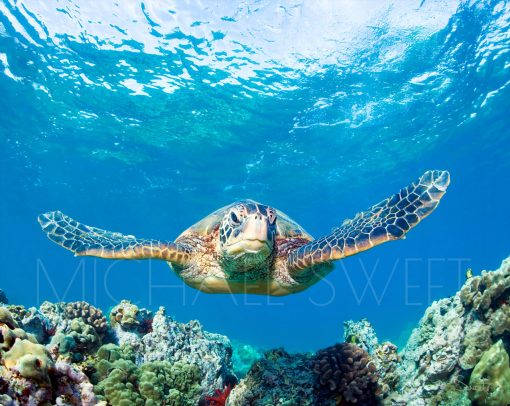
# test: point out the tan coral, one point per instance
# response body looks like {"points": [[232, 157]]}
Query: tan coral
{"points": [[129, 317], [18, 312], [500, 320], [88, 313], [7, 319], [387, 359], [476, 342], [30, 360], [125, 314]]}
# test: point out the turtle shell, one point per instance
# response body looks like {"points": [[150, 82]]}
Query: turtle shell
{"points": [[286, 227]]}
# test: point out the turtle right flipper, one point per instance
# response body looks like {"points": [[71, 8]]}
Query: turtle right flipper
{"points": [[91, 241], [388, 220]]}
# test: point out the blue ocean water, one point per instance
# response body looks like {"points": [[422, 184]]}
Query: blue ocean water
{"points": [[143, 117]]}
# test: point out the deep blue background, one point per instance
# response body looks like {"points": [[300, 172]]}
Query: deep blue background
{"points": [[316, 139]]}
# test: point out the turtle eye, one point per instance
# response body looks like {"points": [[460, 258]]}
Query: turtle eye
{"points": [[271, 215], [234, 218]]}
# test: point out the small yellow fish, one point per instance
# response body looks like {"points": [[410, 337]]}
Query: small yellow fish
{"points": [[469, 273], [352, 339]]}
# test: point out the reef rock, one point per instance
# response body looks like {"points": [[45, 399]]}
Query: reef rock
{"points": [[384, 356], [278, 379], [189, 343], [362, 334], [343, 374], [127, 317], [451, 338]]}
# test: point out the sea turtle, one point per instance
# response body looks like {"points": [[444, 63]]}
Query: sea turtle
{"points": [[248, 247]]}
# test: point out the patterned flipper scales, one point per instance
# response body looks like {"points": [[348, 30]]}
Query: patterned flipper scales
{"points": [[91, 241], [388, 220]]}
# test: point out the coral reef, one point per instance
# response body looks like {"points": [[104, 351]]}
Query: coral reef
{"points": [[189, 343], [118, 380], [385, 355], [451, 338], [152, 360], [30, 374], [127, 317], [386, 359], [490, 380], [58, 316], [343, 374], [70, 354], [88, 314], [347, 374], [277, 379], [76, 340], [362, 334]]}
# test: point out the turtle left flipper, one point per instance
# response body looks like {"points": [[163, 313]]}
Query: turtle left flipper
{"points": [[91, 241], [388, 220]]}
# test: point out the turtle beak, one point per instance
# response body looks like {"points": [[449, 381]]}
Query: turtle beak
{"points": [[255, 228], [254, 237]]}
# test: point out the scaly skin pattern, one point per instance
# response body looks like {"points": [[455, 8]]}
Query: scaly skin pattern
{"points": [[388, 220], [248, 247], [209, 272]]}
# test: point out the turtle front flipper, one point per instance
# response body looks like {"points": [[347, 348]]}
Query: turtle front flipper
{"points": [[91, 241], [388, 220]]}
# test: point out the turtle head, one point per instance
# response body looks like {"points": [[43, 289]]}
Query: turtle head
{"points": [[247, 233]]}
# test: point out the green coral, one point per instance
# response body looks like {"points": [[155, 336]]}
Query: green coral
{"points": [[120, 382], [78, 338], [119, 388], [489, 384], [171, 384]]}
